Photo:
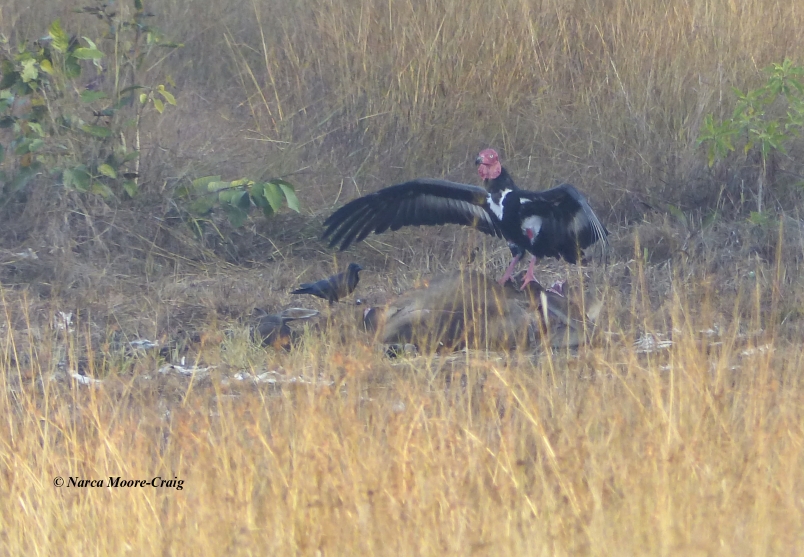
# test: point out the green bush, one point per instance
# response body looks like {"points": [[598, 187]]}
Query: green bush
{"points": [[78, 127], [81, 129], [758, 121], [236, 198]]}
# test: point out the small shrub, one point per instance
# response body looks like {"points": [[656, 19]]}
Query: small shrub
{"points": [[236, 198], [66, 122], [757, 121]]}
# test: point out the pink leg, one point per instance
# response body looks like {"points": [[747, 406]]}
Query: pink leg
{"points": [[529, 275], [510, 271]]}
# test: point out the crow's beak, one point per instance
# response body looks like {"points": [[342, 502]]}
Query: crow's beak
{"points": [[479, 160]]}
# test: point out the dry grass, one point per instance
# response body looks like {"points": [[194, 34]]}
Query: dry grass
{"points": [[694, 449], [353, 95]]}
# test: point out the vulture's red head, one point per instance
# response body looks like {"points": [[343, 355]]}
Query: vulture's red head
{"points": [[488, 164]]}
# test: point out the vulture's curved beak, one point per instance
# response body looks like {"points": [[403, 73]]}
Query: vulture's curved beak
{"points": [[479, 160]]}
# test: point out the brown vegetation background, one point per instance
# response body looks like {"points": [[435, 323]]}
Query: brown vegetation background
{"points": [[697, 449]]}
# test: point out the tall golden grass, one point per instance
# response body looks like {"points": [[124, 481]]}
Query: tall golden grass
{"points": [[607, 94], [697, 449]]}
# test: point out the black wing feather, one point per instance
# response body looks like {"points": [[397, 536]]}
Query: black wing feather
{"points": [[569, 205], [424, 201]]}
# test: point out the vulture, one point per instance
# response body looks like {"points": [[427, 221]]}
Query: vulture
{"points": [[553, 223], [334, 288]]}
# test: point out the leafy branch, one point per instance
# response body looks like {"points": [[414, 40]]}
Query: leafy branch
{"points": [[238, 197], [753, 120], [74, 124]]}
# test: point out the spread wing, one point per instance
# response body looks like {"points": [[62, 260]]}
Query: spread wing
{"points": [[424, 201], [572, 212]]}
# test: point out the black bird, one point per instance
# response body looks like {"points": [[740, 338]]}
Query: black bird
{"points": [[335, 287], [272, 329], [554, 223]]}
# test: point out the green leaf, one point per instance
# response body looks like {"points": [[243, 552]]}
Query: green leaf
{"points": [[36, 127], [241, 200], [89, 42], [22, 147], [60, 40], [92, 96], [87, 53], [159, 106], [143, 98], [9, 77], [202, 205], [97, 131], [46, 66], [273, 195], [167, 96], [130, 156], [107, 170], [225, 196], [131, 188], [217, 186], [72, 68], [202, 183], [76, 178], [29, 71], [237, 217], [678, 214], [6, 122], [760, 219], [290, 194], [99, 188], [23, 177], [130, 89]]}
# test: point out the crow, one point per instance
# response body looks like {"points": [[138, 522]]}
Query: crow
{"points": [[335, 287], [272, 329]]}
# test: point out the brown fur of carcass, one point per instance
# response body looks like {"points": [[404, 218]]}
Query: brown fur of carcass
{"points": [[468, 309]]}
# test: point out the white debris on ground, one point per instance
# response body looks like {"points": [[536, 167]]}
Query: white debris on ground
{"points": [[187, 371], [273, 377], [757, 350], [652, 342], [143, 344], [63, 321], [713, 331], [85, 379], [27, 254]]}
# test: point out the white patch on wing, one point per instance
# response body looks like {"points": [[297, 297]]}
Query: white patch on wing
{"points": [[497, 208], [579, 222], [531, 227]]}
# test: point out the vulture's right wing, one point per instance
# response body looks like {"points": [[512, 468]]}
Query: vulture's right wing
{"points": [[424, 201]]}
